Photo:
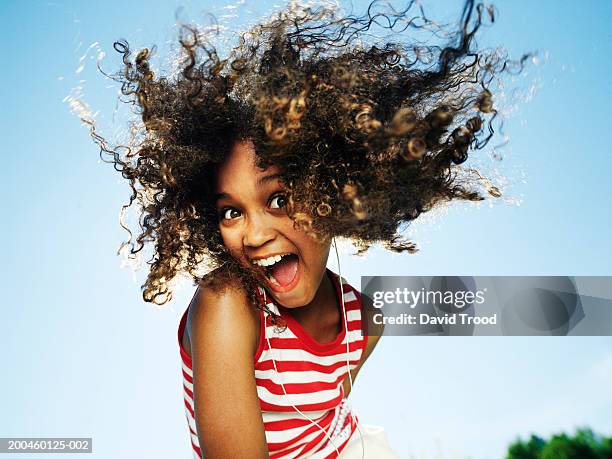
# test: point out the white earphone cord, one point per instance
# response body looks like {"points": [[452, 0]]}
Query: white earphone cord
{"points": [[347, 345], [347, 365]]}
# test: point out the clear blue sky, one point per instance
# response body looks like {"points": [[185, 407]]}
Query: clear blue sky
{"points": [[82, 355]]}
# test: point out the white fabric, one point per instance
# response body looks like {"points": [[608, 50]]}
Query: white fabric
{"points": [[375, 444]]}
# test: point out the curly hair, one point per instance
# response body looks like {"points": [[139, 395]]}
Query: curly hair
{"points": [[367, 137]]}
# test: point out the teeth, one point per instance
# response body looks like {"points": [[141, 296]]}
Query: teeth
{"points": [[273, 280], [270, 260]]}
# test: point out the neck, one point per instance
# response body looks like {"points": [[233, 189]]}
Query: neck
{"points": [[322, 305]]}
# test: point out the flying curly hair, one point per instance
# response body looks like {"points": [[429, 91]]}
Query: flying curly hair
{"points": [[367, 137]]}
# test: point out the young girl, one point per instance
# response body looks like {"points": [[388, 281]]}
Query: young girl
{"points": [[296, 379], [250, 165]]}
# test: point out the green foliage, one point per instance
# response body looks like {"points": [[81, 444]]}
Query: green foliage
{"points": [[584, 444], [529, 450]]}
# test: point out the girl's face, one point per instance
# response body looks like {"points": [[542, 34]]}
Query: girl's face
{"points": [[255, 227]]}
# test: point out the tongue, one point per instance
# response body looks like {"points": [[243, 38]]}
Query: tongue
{"points": [[285, 270]]}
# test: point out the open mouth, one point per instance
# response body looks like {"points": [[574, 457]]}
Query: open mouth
{"points": [[282, 273]]}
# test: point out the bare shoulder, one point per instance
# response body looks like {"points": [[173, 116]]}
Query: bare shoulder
{"points": [[373, 328], [220, 301], [224, 337]]}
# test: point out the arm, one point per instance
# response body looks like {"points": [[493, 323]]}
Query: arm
{"points": [[223, 340], [367, 310]]}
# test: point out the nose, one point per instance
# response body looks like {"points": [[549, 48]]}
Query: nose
{"points": [[259, 230]]}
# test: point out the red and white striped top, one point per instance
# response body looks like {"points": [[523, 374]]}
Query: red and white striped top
{"points": [[312, 375]]}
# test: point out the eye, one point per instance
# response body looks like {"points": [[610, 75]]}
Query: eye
{"points": [[278, 201], [229, 213]]}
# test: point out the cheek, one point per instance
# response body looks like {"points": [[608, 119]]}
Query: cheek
{"points": [[310, 247]]}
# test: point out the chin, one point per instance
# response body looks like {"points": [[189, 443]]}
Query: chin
{"points": [[295, 298], [292, 300]]}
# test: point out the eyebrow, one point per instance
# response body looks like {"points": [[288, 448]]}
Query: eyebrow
{"points": [[268, 178], [261, 181]]}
